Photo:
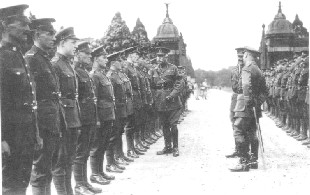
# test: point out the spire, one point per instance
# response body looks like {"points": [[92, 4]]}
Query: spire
{"points": [[167, 10], [280, 9], [263, 50]]}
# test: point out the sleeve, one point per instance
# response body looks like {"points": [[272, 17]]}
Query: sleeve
{"points": [[177, 87], [246, 84], [96, 84]]}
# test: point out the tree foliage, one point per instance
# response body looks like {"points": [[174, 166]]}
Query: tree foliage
{"points": [[214, 78], [118, 36], [139, 34]]}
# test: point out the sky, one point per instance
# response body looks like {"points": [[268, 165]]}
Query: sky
{"points": [[211, 29]]}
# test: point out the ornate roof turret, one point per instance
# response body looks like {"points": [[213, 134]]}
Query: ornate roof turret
{"points": [[280, 25], [167, 29]]}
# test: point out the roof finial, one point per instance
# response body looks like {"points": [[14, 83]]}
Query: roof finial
{"points": [[167, 13], [280, 9]]}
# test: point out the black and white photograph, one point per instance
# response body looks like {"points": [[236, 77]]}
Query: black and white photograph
{"points": [[154, 97]]}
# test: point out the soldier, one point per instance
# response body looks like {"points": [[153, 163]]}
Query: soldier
{"points": [[62, 63], [106, 115], [47, 163], [134, 120], [120, 117], [235, 75], [302, 91], [167, 101], [19, 130], [252, 91], [88, 109]]}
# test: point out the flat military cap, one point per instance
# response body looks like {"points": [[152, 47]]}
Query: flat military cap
{"points": [[248, 49], [12, 13], [83, 46], [113, 56], [44, 24], [66, 33], [162, 51], [240, 51], [98, 51]]}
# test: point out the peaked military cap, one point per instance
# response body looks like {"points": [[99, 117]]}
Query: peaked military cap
{"points": [[44, 24], [12, 13], [83, 46], [114, 56], [129, 50], [66, 33], [98, 51], [162, 51]]}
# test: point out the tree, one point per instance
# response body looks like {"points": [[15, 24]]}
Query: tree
{"points": [[118, 36], [139, 34]]}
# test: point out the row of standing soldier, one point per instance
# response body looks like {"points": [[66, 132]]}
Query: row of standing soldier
{"points": [[76, 107], [288, 97]]}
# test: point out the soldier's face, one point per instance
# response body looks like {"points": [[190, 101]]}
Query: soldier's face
{"points": [[45, 39], [85, 58], [18, 30], [102, 61], [68, 46], [161, 59]]}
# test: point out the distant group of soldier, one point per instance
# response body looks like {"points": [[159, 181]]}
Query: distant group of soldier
{"points": [[58, 113], [288, 96]]}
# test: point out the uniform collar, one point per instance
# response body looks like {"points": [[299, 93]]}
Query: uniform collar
{"points": [[39, 51], [65, 58]]}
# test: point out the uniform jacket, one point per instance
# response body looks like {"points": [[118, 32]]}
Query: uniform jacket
{"points": [[119, 93], [18, 97], [133, 76], [68, 88], [284, 79], [129, 93], [167, 82], [303, 84], [234, 85], [254, 91], [105, 96], [87, 98], [47, 89], [143, 86]]}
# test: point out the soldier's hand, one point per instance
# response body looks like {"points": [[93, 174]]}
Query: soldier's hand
{"points": [[39, 143], [5, 148]]}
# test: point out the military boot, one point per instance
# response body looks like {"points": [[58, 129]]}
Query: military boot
{"points": [[303, 132], [96, 176], [41, 190], [242, 166], [60, 185], [132, 154], [68, 180], [175, 140], [307, 142], [81, 189], [233, 155], [90, 187]]}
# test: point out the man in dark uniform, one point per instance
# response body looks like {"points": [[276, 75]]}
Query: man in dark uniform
{"points": [[235, 75], [106, 115], [88, 110], [19, 129], [133, 121], [252, 92], [167, 101], [120, 116], [62, 63], [47, 163]]}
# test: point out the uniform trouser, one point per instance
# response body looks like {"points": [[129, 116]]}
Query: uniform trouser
{"points": [[84, 135], [130, 130], [71, 140], [116, 142], [169, 120], [232, 119], [245, 135], [99, 144], [48, 164], [16, 168]]}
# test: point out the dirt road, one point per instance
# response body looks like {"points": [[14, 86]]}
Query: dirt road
{"points": [[205, 138]]}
